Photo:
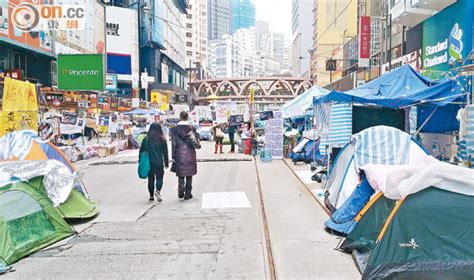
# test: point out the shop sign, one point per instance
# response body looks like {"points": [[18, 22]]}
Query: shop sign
{"points": [[81, 72], [413, 58], [54, 97], [364, 41], [447, 36]]}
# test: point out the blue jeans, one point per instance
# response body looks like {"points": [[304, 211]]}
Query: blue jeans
{"points": [[157, 173]]}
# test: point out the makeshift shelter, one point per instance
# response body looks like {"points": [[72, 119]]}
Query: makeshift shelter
{"points": [[427, 235], [26, 145], [298, 105], [28, 220], [377, 145], [385, 100]]}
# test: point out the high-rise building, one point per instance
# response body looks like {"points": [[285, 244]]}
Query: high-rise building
{"points": [[218, 12], [196, 34], [242, 14], [302, 33], [334, 22]]}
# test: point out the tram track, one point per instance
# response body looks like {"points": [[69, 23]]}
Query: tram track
{"points": [[266, 230]]}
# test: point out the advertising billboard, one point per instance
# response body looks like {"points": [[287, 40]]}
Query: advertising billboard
{"points": [[447, 36], [364, 41], [122, 40], [91, 40], [41, 41], [81, 72]]}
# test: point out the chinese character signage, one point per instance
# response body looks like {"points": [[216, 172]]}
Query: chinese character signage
{"points": [[81, 72], [364, 41], [19, 107]]}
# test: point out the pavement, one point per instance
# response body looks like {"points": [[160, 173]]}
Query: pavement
{"points": [[217, 235]]}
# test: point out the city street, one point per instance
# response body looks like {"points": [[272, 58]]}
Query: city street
{"points": [[134, 239]]}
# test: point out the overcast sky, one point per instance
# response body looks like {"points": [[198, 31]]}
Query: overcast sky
{"points": [[277, 13]]}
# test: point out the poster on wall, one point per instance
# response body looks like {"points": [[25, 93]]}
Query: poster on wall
{"points": [[274, 134], [71, 123], [236, 119]]}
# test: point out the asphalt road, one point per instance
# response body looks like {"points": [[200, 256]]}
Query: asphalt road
{"points": [[217, 235]]}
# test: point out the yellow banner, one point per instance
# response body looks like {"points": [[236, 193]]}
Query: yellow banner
{"points": [[164, 103], [19, 96], [14, 121], [19, 107]]}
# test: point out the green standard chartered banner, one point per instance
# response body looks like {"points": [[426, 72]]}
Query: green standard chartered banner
{"points": [[81, 72], [447, 37]]}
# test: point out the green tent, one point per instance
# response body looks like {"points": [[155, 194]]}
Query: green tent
{"points": [[78, 206], [428, 235], [28, 221]]}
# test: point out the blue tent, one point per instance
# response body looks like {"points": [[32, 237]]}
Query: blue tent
{"points": [[298, 105], [404, 87]]}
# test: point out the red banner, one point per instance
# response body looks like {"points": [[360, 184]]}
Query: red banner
{"points": [[364, 41]]}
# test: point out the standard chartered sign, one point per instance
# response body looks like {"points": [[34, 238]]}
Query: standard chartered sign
{"points": [[81, 72], [448, 50], [438, 54]]}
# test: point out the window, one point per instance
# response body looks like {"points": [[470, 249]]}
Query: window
{"points": [[189, 16], [189, 53], [189, 34], [189, 25], [189, 44]]}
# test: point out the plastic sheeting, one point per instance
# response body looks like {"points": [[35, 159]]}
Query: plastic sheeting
{"points": [[399, 181], [16, 144], [57, 179], [298, 105]]}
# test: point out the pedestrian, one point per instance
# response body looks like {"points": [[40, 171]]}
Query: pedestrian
{"points": [[183, 151], [155, 144], [218, 138], [231, 131], [91, 128]]}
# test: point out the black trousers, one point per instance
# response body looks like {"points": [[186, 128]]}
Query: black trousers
{"points": [[155, 173], [186, 183], [232, 142]]}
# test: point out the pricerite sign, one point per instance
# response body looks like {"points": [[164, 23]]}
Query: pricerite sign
{"points": [[447, 36], [81, 72]]}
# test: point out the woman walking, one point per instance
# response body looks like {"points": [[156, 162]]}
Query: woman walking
{"points": [[155, 144], [184, 155]]}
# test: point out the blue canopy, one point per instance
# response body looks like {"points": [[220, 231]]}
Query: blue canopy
{"points": [[399, 88]]}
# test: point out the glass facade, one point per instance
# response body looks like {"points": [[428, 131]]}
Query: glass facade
{"points": [[243, 14]]}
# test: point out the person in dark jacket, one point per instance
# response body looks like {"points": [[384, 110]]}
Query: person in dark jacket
{"points": [[155, 144], [231, 131], [184, 156]]}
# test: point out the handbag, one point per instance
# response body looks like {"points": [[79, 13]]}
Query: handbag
{"points": [[173, 167], [219, 133], [144, 163], [194, 140]]}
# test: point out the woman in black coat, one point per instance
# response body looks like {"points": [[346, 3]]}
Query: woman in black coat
{"points": [[155, 144], [184, 156]]}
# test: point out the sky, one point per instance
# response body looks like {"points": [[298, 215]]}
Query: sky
{"points": [[277, 13]]}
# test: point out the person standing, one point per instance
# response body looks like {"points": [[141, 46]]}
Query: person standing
{"points": [[155, 144], [218, 138], [184, 155], [231, 131]]}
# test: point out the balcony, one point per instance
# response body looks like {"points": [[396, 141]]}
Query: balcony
{"points": [[413, 12]]}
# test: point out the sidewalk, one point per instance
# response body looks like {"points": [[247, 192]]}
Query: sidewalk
{"points": [[302, 248]]}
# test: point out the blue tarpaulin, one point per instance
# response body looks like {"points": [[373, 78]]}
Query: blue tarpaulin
{"points": [[399, 88]]}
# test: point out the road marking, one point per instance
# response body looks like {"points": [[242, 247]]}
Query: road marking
{"points": [[215, 200]]}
